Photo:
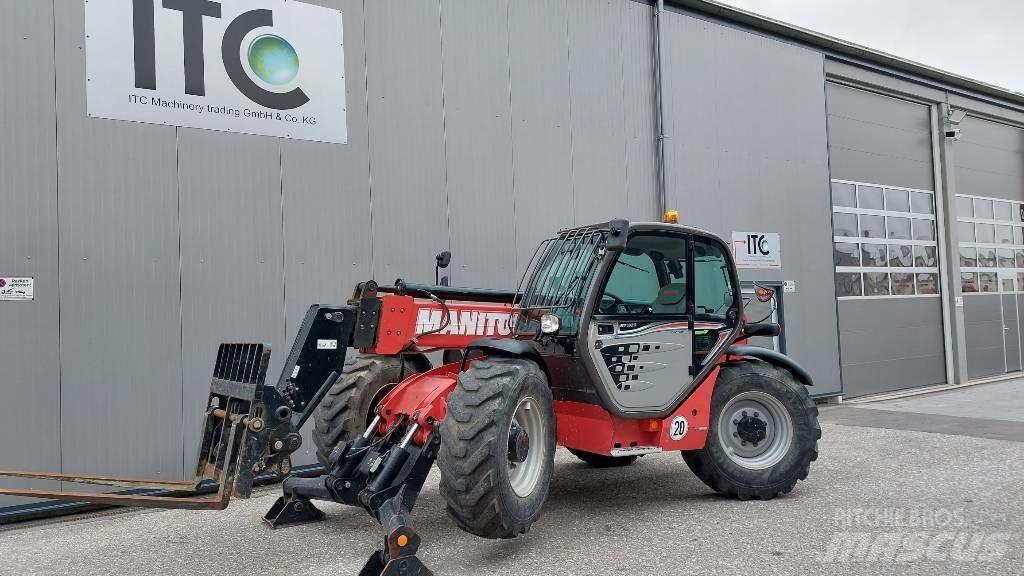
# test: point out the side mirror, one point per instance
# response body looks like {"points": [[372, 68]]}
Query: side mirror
{"points": [[443, 260], [618, 234]]}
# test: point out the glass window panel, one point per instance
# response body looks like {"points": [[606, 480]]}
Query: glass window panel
{"points": [[848, 284], [924, 230], [844, 195], [1018, 236], [987, 282], [899, 228], [1018, 212], [872, 226], [986, 257], [1020, 258], [1005, 258], [873, 254], [846, 254], [1020, 278], [870, 197], [902, 284], [985, 233], [927, 283], [966, 232], [901, 256], [921, 203], [876, 284], [969, 257], [983, 209], [897, 200], [1008, 285], [968, 282], [1003, 211], [964, 207], [1004, 235], [927, 256], [844, 224]]}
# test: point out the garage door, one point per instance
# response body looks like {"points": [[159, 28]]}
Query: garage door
{"points": [[990, 218], [885, 242]]}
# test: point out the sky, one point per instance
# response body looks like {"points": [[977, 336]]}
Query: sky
{"points": [[980, 39]]}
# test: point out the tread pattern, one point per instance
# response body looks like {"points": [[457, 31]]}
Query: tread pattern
{"points": [[705, 463], [340, 416], [473, 445]]}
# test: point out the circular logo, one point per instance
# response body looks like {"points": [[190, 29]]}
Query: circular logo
{"points": [[679, 427], [273, 59]]}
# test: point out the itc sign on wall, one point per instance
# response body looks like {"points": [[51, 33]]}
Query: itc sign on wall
{"points": [[757, 249], [270, 67]]}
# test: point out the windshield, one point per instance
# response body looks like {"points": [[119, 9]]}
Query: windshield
{"points": [[558, 281]]}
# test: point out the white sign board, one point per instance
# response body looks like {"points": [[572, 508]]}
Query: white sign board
{"points": [[269, 67], [757, 249], [17, 288]]}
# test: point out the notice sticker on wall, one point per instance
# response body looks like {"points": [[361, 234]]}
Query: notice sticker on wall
{"points": [[17, 289]]}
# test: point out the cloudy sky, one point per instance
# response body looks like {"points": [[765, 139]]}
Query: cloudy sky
{"points": [[981, 39]]}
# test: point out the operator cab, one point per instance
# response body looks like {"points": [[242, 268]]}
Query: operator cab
{"points": [[644, 318]]}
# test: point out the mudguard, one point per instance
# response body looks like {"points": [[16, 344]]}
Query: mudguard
{"points": [[773, 357]]}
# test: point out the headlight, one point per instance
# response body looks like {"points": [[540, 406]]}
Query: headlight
{"points": [[549, 324]]}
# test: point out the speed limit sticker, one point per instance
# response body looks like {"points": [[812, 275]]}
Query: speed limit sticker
{"points": [[679, 427]]}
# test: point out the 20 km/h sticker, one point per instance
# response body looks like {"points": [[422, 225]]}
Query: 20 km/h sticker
{"points": [[679, 428]]}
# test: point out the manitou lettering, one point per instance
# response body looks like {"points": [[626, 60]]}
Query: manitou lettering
{"points": [[464, 322]]}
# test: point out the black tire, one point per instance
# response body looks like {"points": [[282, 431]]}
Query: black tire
{"points": [[342, 414], [602, 461], [474, 453], [714, 466]]}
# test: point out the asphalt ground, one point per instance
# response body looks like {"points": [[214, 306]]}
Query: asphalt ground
{"points": [[881, 499]]}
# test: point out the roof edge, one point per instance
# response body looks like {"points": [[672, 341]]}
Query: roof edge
{"points": [[843, 47]]}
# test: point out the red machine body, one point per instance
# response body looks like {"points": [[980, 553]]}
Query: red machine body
{"points": [[415, 325]]}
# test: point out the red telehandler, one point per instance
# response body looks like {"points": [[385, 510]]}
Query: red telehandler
{"points": [[623, 339]]}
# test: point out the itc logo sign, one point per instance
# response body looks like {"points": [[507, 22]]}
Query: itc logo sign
{"points": [[757, 245], [268, 57]]}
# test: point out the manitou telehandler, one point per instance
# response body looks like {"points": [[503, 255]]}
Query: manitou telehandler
{"points": [[623, 339]]}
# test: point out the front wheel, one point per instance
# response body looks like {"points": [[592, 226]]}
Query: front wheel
{"points": [[763, 436], [497, 447]]}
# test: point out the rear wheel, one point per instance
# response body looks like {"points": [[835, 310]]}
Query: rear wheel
{"points": [[348, 406], [763, 436], [497, 447], [602, 461]]}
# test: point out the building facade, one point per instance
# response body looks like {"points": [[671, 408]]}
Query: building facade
{"points": [[482, 127]]}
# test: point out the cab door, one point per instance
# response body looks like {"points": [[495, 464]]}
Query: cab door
{"points": [[640, 338]]}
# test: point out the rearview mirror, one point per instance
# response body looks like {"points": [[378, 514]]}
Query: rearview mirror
{"points": [[618, 234]]}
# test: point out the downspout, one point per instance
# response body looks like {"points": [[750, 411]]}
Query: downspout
{"points": [[660, 107]]}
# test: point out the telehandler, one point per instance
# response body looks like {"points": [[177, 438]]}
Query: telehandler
{"points": [[623, 339]]}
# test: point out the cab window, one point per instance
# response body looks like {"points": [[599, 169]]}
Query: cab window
{"points": [[714, 294], [648, 278]]}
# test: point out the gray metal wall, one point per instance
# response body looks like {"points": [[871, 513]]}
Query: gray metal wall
{"points": [[747, 152], [479, 127], [886, 344]]}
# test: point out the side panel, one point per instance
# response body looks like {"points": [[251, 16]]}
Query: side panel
{"points": [[120, 344], [232, 277], [30, 377], [747, 152], [989, 160], [478, 142], [407, 160]]}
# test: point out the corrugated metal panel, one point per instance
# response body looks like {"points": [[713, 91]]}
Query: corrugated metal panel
{"points": [[640, 113], [327, 205], [541, 128], [989, 160], [120, 356], [598, 125], [478, 142], [983, 330], [232, 277], [407, 170], [891, 344], [30, 377], [874, 138], [747, 152]]}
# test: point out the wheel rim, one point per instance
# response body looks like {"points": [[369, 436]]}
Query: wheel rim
{"points": [[524, 476], [755, 430]]}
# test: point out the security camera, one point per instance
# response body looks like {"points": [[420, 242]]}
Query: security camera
{"points": [[953, 134]]}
